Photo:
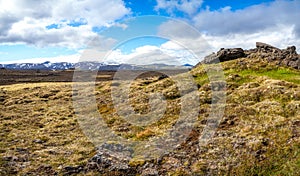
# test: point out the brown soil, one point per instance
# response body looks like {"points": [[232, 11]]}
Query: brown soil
{"points": [[8, 77]]}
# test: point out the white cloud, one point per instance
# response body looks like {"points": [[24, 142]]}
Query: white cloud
{"points": [[168, 53], [185, 35], [275, 23], [25, 21], [189, 7], [32, 31], [97, 13], [183, 54], [173, 53], [249, 20], [121, 25], [3, 53], [279, 36], [66, 58]]}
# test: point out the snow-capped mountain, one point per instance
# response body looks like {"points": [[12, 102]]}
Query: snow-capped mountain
{"points": [[83, 66], [58, 66]]}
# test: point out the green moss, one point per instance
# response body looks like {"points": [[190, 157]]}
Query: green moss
{"points": [[285, 74], [201, 79], [282, 73], [281, 161]]}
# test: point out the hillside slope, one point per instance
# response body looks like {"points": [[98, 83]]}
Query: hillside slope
{"points": [[259, 133]]}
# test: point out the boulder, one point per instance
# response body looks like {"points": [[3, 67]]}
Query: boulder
{"points": [[266, 47], [292, 49], [224, 55], [230, 54]]}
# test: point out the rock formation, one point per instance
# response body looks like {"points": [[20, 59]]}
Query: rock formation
{"points": [[224, 55], [285, 57]]}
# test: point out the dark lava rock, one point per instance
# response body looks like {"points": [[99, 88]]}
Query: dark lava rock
{"points": [[230, 54], [149, 172], [2, 98], [284, 57], [265, 47], [224, 55], [68, 170], [112, 158]]}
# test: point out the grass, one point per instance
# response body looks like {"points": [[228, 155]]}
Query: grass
{"points": [[34, 134], [40, 133], [256, 68], [262, 100], [281, 161], [285, 74]]}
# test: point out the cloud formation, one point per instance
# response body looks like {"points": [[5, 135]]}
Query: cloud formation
{"points": [[276, 23], [249, 20], [65, 58], [71, 24], [26, 21], [168, 53], [189, 7]]}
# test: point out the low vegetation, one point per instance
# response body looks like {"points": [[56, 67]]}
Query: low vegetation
{"points": [[258, 135]]}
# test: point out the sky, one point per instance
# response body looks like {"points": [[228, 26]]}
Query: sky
{"points": [[137, 32]]}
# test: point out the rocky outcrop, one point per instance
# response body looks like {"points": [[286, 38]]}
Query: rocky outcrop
{"points": [[224, 55], [285, 57], [265, 47]]}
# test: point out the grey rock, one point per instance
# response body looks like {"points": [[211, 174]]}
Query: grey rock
{"points": [[230, 54], [68, 170], [284, 57], [291, 49], [265, 47], [2, 98], [294, 64], [38, 141], [149, 172], [112, 157], [224, 55]]}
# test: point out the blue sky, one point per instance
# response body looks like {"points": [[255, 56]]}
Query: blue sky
{"points": [[146, 7], [63, 29]]}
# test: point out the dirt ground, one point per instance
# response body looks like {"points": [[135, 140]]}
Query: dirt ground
{"points": [[8, 77]]}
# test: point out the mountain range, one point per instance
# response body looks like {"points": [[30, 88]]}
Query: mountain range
{"points": [[88, 65]]}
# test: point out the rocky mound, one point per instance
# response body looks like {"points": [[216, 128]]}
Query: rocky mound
{"points": [[284, 57]]}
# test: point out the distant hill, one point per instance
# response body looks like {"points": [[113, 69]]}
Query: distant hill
{"points": [[87, 66]]}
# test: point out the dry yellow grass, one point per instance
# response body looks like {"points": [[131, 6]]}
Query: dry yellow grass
{"points": [[39, 129], [259, 133]]}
